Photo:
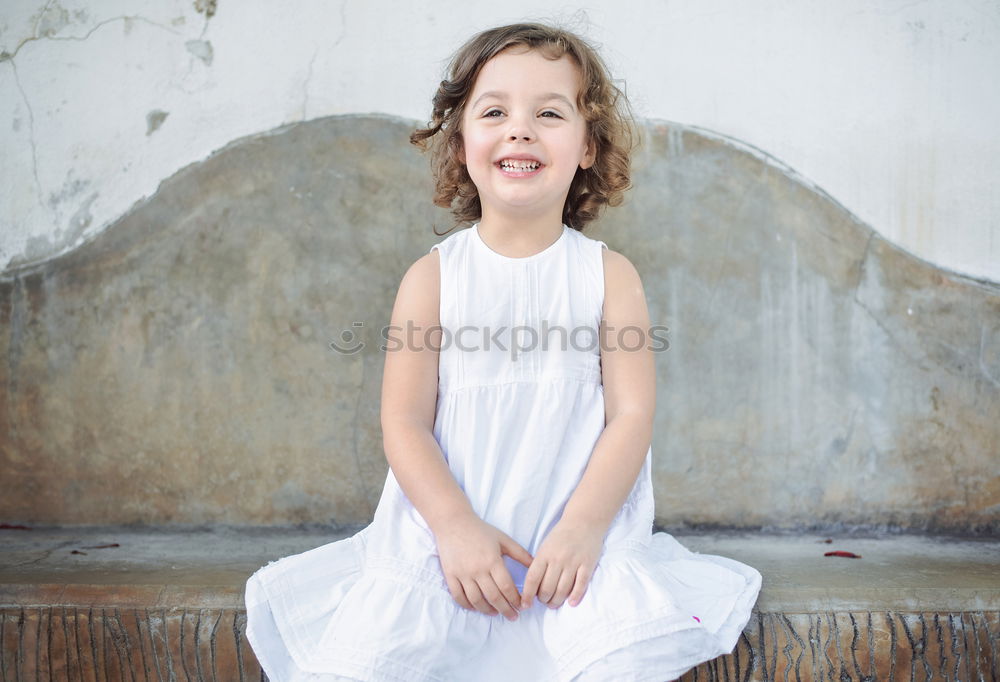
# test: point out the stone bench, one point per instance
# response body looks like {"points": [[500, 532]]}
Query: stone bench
{"points": [[167, 603]]}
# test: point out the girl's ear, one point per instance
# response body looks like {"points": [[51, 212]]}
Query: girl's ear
{"points": [[589, 156]]}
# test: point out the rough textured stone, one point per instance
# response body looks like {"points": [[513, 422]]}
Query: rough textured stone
{"points": [[178, 368], [170, 605]]}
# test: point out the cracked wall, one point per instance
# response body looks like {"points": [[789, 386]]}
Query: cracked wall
{"points": [[178, 368], [889, 109]]}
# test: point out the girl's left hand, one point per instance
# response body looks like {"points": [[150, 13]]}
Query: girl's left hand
{"points": [[563, 565]]}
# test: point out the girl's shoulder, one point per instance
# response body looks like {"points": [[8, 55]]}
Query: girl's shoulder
{"points": [[585, 242], [424, 274], [452, 241]]}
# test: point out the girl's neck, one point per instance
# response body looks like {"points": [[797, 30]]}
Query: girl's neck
{"points": [[519, 237]]}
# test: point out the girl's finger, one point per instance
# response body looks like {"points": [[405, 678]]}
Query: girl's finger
{"points": [[564, 587], [532, 579], [475, 596], [505, 583], [550, 582], [580, 587], [458, 593], [496, 599]]}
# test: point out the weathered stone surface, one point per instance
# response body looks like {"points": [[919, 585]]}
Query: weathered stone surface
{"points": [[178, 369], [168, 604], [169, 568]]}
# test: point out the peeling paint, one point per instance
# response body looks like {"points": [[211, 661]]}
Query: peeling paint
{"points": [[202, 49], [206, 7], [154, 120], [52, 19]]}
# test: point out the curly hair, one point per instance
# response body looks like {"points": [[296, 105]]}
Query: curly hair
{"points": [[610, 126]]}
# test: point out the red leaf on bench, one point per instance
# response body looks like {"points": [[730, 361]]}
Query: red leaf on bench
{"points": [[849, 555]]}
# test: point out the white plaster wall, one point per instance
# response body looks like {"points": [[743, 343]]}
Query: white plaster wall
{"points": [[891, 107]]}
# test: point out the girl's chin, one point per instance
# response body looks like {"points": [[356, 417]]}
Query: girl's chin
{"points": [[521, 211], [520, 203]]}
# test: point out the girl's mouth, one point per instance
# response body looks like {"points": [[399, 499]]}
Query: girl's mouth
{"points": [[518, 168]]}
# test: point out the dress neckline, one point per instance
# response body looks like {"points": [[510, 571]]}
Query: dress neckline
{"points": [[522, 259]]}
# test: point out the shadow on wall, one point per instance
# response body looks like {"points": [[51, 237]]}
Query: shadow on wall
{"points": [[179, 368]]}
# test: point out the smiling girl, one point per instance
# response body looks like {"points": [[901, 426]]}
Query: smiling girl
{"points": [[519, 483]]}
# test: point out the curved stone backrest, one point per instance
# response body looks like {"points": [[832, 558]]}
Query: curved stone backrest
{"points": [[178, 368]]}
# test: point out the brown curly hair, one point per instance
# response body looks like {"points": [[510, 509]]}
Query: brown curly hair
{"points": [[610, 127]]}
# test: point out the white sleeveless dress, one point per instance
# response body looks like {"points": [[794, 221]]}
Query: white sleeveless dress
{"points": [[517, 422]]}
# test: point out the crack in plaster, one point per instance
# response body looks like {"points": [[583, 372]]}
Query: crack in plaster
{"points": [[199, 47], [889, 335], [305, 86], [902, 348], [38, 19], [866, 255], [206, 7], [31, 135], [343, 25], [864, 261], [9, 56], [333, 45], [980, 362]]}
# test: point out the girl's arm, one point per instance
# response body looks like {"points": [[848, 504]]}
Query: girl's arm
{"points": [[470, 550], [566, 560], [409, 398], [629, 378]]}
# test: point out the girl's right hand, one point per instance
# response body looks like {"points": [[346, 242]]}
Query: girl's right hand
{"points": [[471, 553]]}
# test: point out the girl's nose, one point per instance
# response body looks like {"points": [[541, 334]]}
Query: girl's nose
{"points": [[519, 128]]}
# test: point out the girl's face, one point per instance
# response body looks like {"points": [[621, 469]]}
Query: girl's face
{"points": [[523, 137]]}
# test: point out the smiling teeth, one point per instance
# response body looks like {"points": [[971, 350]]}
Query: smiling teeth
{"points": [[507, 164]]}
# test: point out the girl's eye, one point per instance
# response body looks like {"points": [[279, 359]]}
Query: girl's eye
{"points": [[489, 114], [551, 112]]}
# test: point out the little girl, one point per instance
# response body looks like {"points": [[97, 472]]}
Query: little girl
{"points": [[513, 538]]}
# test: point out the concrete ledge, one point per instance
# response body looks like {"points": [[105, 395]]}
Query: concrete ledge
{"points": [[169, 602]]}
